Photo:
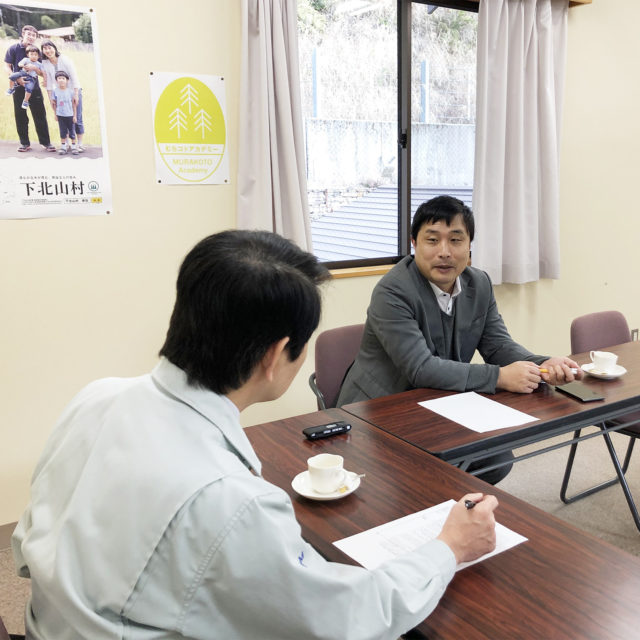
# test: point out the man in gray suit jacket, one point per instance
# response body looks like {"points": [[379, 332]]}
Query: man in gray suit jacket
{"points": [[431, 312]]}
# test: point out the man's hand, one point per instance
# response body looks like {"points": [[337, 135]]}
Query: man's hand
{"points": [[470, 533], [519, 377], [558, 370]]}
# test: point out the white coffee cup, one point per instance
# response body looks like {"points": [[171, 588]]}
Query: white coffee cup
{"points": [[603, 361], [326, 474]]}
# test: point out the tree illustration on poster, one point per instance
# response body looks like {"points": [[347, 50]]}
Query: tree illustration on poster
{"points": [[190, 129]]}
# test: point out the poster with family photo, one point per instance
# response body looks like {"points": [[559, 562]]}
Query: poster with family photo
{"points": [[53, 154]]}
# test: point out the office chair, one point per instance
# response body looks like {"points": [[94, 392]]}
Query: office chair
{"points": [[336, 349], [596, 331]]}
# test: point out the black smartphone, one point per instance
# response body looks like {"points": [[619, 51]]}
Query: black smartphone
{"points": [[326, 430], [580, 390]]}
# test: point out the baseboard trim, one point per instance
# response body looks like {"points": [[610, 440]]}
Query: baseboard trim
{"points": [[6, 530]]}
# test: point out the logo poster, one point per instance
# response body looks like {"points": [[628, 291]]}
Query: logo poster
{"points": [[53, 153], [189, 126]]}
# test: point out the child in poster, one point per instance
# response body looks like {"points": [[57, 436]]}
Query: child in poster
{"points": [[66, 114]]}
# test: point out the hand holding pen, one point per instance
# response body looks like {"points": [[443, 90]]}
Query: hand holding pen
{"points": [[560, 370], [470, 528]]}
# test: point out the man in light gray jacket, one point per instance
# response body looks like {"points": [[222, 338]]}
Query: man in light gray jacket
{"points": [[431, 312], [149, 517]]}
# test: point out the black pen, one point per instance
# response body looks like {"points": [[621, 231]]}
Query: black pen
{"points": [[470, 504]]}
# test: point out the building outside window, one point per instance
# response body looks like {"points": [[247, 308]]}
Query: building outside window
{"points": [[368, 67]]}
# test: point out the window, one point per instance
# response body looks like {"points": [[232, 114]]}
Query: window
{"points": [[388, 96]]}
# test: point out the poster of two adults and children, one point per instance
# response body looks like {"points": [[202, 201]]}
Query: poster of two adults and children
{"points": [[53, 157]]}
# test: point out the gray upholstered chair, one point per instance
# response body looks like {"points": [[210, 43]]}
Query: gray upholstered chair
{"points": [[597, 331], [336, 349]]}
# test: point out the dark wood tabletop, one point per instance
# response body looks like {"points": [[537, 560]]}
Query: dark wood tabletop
{"points": [[562, 583], [556, 412]]}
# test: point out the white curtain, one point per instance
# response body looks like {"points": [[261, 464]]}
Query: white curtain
{"points": [[521, 60], [272, 186]]}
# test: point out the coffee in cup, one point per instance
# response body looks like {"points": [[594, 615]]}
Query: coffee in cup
{"points": [[326, 473], [603, 361]]}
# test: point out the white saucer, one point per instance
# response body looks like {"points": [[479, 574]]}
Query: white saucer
{"points": [[616, 373], [302, 485]]}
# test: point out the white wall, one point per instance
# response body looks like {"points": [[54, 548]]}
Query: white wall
{"points": [[85, 298]]}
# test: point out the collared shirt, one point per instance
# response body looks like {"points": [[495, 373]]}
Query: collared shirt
{"points": [[63, 63], [14, 54], [146, 521], [445, 300]]}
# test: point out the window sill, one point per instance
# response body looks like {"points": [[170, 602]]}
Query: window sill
{"points": [[357, 272]]}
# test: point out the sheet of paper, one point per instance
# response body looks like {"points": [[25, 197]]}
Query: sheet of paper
{"points": [[373, 547], [477, 412]]}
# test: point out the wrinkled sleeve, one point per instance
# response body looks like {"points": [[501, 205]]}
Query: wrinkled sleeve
{"points": [[73, 74], [48, 70], [16, 543], [496, 345], [263, 580]]}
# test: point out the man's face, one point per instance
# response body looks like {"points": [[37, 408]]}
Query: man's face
{"points": [[442, 252], [29, 37]]}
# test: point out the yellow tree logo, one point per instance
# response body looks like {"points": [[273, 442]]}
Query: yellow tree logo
{"points": [[190, 129]]}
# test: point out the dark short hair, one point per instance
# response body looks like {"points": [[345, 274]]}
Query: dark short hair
{"points": [[62, 74], [32, 48], [238, 293], [442, 208], [29, 27], [50, 43]]}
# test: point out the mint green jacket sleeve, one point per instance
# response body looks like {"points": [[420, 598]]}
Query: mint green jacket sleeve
{"points": [[255, 577]]}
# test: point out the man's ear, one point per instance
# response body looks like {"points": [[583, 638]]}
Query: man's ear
{"points": [[272, 358]]}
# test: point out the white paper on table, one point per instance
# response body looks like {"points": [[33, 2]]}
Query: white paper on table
{"points": [[396, 538], [477, 412]]}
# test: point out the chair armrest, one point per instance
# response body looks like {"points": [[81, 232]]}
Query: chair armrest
{"points": [[319, 397]]}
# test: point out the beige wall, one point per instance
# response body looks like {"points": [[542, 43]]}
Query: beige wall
{"points": [[84, 298], [90, 297]]}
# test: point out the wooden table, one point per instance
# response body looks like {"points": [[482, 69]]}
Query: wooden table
{"points": [[562, 583], [556, 414]]}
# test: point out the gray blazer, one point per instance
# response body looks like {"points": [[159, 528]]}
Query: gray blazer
{"points": [[403, 346]]}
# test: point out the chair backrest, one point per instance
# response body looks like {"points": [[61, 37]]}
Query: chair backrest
{"points": [[336, 349], [3, 631], [599, 330]]}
